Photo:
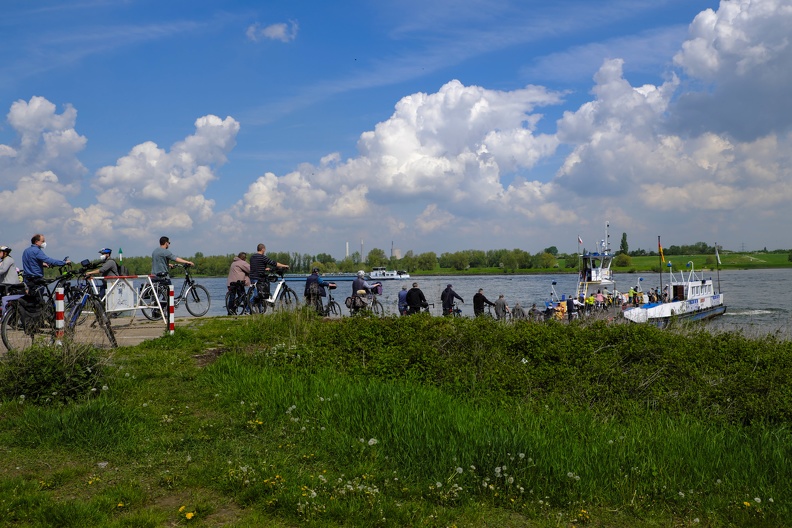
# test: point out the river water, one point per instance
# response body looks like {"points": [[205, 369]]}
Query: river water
{"points": [[757, 300]]}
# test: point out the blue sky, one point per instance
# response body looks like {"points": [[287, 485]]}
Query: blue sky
{"points": [[431, 125]]}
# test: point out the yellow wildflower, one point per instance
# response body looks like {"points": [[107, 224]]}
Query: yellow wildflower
{"points": [[189, 515]]}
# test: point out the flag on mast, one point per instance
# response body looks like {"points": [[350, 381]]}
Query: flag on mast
{"points": [[717, 256], [660, 249], [580, 240]]}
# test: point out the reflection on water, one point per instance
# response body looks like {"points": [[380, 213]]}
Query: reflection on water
{"points": [[757, 300]]}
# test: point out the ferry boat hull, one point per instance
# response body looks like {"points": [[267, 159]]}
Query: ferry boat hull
{"points": [[662, 315], [693, 299]]}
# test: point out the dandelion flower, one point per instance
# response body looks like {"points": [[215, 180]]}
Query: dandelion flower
{"points": [[189, 515], [182, 509]]}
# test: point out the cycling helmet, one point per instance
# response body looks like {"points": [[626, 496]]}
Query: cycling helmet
{"points": [[361, 273], [105, 251], [5, 248]]}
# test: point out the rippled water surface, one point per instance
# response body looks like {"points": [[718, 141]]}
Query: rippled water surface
{"points": [[758, 301]]}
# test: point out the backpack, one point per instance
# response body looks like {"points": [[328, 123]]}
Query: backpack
{"points": [[314, 290], [29, 309], [123, 270]]}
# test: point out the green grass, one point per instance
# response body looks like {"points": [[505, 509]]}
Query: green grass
{"points": [[291, 420]]}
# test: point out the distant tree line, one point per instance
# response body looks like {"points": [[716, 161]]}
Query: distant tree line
{"points": [[505, 259]]}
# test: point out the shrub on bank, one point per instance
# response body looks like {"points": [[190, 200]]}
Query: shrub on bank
{"points": [[52, 375], [612, 369]]}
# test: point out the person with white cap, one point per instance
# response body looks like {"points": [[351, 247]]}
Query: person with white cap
{"points": [[8, 270]]}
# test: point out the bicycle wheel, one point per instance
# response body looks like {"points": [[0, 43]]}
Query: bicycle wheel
{"points": [[197, 301], [96, 330], [333, 309], [287, 300], [256, 300], [153, 310], [377, 309], [19, 333], [233, 303], [12, 330]]}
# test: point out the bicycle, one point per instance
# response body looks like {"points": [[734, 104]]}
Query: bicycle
{"points": [[87, 306], [332, 308], [236, 300], [283, 298], [30, 319], [455, 311], [368, 303], [194, 296]]}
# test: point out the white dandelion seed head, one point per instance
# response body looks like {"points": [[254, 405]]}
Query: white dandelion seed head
{"points": [[757, 500], [372, 441]]}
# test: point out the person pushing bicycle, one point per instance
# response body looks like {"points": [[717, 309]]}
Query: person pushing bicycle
{"points": [[260, 264], [315, 290], [161, 259]]}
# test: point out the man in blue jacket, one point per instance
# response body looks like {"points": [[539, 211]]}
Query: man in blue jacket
{"points": [[34, 260]]}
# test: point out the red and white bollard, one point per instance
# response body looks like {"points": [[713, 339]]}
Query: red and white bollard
{"points": [[171, 311], [60, 307]]}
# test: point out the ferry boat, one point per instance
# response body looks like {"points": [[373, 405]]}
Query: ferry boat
{"points": [[692, 298], [382, 273]]}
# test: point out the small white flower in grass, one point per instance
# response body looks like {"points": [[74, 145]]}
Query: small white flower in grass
{"points": [[570, 475], [372, 441], [696, 520], [93, 389], [524, 361], [438, 484], [126, 375], [510, 480], [757, 500], [145, 405], [102, 464], [459, 470], [105, 387], [770, 499], [521, 455], [55, 393], [682, 494], [577, 477], [718, 482]]}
